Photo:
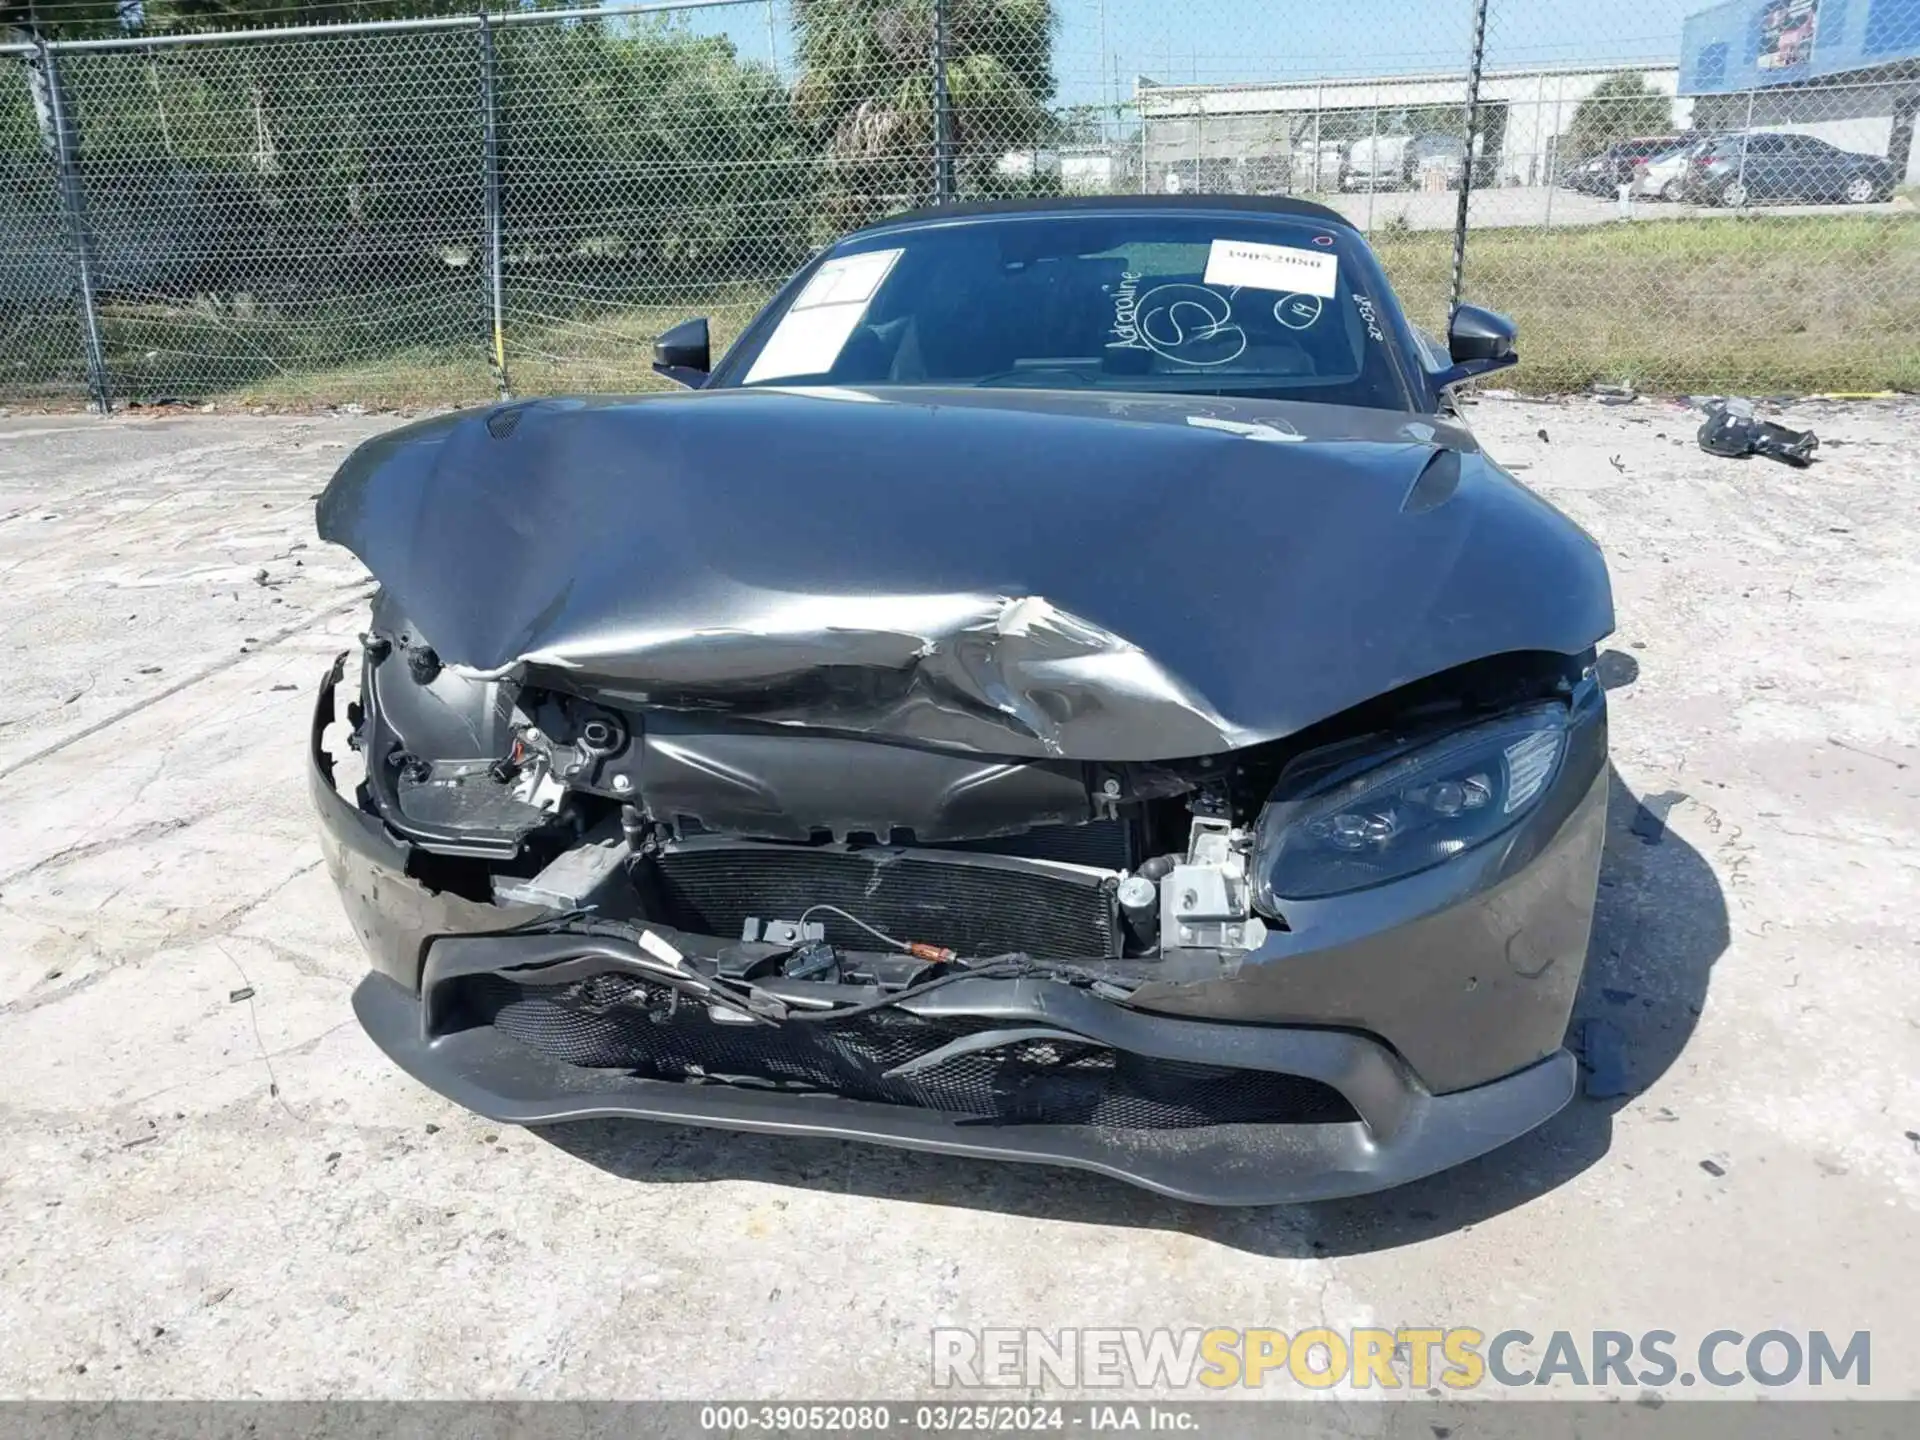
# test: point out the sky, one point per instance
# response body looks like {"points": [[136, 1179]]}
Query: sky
{"points": [[1221, 41]]}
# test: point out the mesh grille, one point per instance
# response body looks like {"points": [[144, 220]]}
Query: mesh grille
{"points": [[976, 909], [617, 1022]]}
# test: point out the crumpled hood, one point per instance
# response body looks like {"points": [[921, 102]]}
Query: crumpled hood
{"points": [[1015, 572]]}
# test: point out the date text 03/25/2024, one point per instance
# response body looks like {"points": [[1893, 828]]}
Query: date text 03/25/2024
{"points": [[947, 1418]]}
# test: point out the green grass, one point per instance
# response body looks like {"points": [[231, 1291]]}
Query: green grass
{"points": [[607, 349], [1788, 305], [1768, 305]]}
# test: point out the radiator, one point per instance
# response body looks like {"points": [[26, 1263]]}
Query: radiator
{"points": [[974, 904]]}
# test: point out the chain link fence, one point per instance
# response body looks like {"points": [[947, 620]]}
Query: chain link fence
{"points": [[440, 210]]}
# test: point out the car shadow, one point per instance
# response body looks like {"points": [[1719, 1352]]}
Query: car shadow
{"points": [[1659, 925]]}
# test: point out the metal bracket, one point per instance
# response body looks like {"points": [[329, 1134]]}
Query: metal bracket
{"points": [[1206, 902]]}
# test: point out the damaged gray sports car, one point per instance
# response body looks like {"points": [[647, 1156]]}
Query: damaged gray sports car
{"points": [[1065, 687]]}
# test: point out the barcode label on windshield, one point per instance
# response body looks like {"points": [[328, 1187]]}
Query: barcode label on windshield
{"points": [[1272, 267]]}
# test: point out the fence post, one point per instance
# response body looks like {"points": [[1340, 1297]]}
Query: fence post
{"points": [[943, 181], [1552, 143], [490, 160], [1373, 157], [1319, 185], [1140, 108], [1474, 59], [73, 201], [1746, 139]]}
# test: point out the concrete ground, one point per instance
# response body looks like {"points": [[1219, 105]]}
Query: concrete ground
{"points": [[212, 1185]]}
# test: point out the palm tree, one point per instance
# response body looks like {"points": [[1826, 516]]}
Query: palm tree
{"points": [[865, 89]]}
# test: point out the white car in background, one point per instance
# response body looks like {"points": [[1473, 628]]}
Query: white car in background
{"points": [[1662, 175]]}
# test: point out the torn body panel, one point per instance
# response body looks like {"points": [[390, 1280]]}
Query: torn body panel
{"points": [[1056, 576], [1390, 1036]]}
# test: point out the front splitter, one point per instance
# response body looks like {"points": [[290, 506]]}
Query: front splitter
{"points": [[1237, 1164]]}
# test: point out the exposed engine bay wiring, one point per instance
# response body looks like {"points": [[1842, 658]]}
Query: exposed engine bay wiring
{"points": [[761, 1007], [919, 949], [1000, 967]]}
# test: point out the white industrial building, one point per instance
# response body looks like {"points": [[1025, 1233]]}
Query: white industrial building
{"points": [[1268, 138]]}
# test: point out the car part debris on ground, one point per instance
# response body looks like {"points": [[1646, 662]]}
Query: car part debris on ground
{"points": [[1732, 430]]}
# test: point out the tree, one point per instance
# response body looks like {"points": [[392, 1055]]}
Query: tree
{"points": [[865, 90], [1621, 106], [650, 144]]}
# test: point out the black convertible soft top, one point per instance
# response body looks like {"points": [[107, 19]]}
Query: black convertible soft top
{"points": [[1117, 205]]}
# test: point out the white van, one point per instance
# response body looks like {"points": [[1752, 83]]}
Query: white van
{"points": [[1378, 162]]}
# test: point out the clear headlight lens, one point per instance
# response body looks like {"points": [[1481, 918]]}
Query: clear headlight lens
{"points": [[1348, 831]]}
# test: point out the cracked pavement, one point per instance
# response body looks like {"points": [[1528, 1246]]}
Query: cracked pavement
{"points": [[206, 1192]]}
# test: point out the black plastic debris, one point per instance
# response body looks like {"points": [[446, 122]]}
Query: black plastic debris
{"points": [[245, 992], [1714, 1168], [1732, 430], [816, 957]]}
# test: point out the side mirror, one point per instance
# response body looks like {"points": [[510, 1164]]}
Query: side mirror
{"points": [[1478, 342], [685, 354]]}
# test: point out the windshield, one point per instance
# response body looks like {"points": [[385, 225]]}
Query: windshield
{"points": [[1201, 305]]}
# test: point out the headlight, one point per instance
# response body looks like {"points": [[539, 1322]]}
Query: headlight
{"points": [[1347, 830]]}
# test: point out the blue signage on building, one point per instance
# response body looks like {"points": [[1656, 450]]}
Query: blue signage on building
{"points": [[1746, 44]]}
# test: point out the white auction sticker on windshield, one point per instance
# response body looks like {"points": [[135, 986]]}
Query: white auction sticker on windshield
{"points": [[810, 336], [1272, 267], [806, 342], [850, 279]]}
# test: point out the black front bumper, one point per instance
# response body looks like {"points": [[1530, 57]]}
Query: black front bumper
{"points": [[1404, 1133], [1435, 1008]]}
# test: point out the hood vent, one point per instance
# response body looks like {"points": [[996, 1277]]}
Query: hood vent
{"points": [[1437, 481]]}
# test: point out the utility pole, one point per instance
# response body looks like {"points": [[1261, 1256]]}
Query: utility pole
{"points": [[490, 162], [1474, 62], [943, 176], [66, 155]]}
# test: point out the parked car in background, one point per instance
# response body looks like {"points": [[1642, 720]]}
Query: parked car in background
{"points": [[1604, 173], [1737, 170], [1662, 175]]}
